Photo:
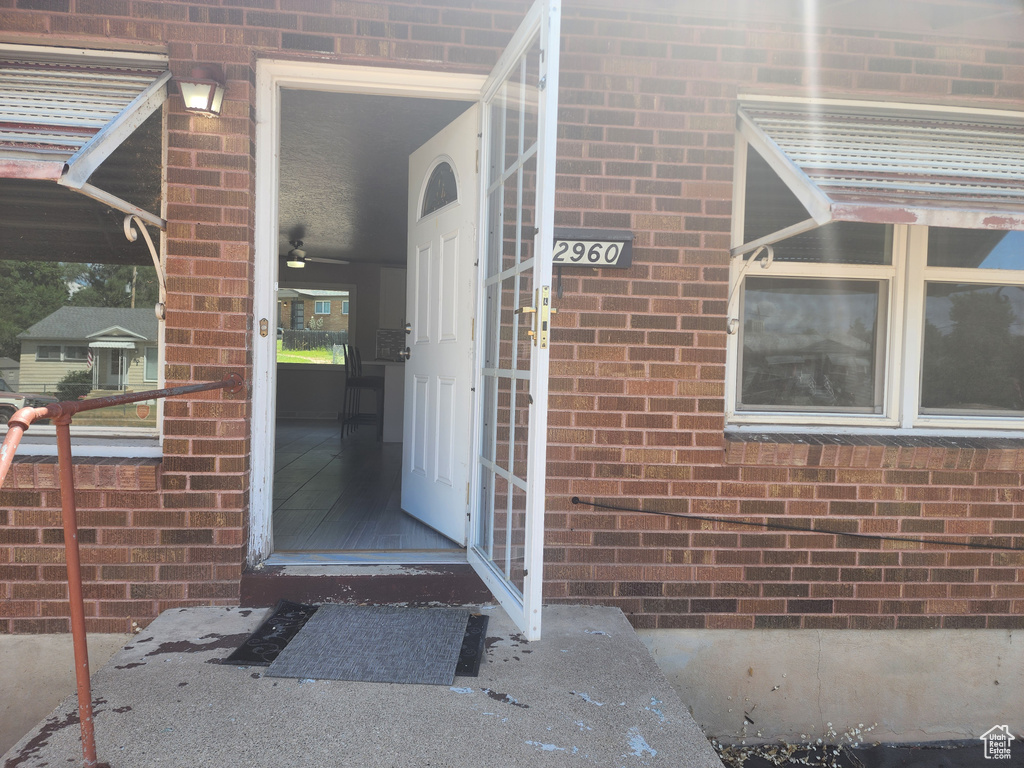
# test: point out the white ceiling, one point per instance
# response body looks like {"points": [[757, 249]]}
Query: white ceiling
{"points": [[344, 171]]}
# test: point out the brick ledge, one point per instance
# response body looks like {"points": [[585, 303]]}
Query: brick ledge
{"points": [[875, 451], [91, 473]]}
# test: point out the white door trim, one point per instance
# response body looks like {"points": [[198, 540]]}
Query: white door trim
{"points": [[271, 76]]}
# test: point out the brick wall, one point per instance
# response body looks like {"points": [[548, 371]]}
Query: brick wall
{"points": [[638, 367], [638, 360], [183, 534]]}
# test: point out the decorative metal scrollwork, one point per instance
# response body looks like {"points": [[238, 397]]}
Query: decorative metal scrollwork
{"points": [[132, 233]]}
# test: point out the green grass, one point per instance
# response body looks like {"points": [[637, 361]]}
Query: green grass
{"points": [[306, 356]]}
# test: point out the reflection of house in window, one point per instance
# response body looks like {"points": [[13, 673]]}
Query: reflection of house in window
{"points": [[118, 340]]}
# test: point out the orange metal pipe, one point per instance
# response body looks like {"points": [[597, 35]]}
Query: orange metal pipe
{"points": [[69, 513], [62, 413]]}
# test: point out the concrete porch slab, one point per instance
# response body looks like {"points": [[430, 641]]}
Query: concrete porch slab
{"points": [[587, 694]]}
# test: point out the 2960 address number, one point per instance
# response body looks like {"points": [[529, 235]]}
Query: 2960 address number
{"points": [[587, 252]]}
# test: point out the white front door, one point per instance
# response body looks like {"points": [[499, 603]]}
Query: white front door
{"points": [[441, 284]]}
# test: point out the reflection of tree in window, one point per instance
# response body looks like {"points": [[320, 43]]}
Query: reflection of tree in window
{"points": [[973, 356], [112, 285], [29, 291]]}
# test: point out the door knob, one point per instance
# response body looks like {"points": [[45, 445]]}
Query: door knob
{"points": [[406, 353]]}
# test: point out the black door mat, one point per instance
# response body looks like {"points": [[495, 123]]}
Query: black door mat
{"points": [[270, 638], [472, 646], [380, 644]]}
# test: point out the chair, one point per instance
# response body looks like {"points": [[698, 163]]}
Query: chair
{"points": [[355, 383]]}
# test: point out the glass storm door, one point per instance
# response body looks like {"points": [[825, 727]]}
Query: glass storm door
{"points": [[518, 168]]}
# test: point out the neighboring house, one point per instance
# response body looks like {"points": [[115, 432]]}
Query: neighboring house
{"points": [[119, 347], [821, 328], [313, 309], [9, 371]]}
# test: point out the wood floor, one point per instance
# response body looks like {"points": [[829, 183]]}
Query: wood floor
{"points": [[334, 495]]}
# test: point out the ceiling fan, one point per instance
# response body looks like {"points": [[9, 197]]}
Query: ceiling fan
{"points": [[296, 258]]}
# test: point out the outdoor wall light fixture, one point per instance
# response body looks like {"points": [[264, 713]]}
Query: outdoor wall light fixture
{"points": [[296, 256], [203, 90]]}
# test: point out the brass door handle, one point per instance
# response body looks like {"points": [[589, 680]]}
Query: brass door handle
{"points": [[532, 332]]}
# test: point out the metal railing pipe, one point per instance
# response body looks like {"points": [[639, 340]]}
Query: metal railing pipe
{"points": [[61, 414]]}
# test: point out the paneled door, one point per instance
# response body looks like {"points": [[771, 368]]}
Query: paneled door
{"points": [[441, 284]]}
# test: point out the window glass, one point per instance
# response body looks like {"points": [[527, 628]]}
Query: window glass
{"points": [[314, 326], [975, 248], [770, 206], [76, 296], [811, 344], [441, 189], [973, 355], [152, 359], [839, 242]]}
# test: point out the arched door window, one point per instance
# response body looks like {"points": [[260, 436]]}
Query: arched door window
{"points": [[441, 189]]}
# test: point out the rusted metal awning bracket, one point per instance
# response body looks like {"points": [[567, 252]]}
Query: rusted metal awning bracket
{"points": [[61, 415]]}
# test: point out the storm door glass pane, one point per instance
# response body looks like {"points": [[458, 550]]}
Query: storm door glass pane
{"points": [[511, 202], [973, 356], [812, 345]]}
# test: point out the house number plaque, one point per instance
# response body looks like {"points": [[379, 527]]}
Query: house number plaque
{"points": [[595, 248]]}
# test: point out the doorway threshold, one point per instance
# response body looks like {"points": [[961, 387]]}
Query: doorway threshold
{"points": [[370, 557]]}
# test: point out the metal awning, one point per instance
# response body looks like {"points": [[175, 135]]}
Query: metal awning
{"points": [[892, 164], [63, 111], [112, 345]]}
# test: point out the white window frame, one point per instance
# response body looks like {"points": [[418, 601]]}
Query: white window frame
{"points": [[903, 338], [321, 307]]}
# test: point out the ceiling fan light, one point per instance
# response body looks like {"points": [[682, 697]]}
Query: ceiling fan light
{"points": [[296, 256]]}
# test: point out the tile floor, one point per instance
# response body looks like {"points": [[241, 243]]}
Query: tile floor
{"points": [[334, 495]]}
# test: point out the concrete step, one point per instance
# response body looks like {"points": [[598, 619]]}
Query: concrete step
{"points": [[587, 694]]}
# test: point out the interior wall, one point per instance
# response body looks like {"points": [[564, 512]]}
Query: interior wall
{"points": [[309, 391]]}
